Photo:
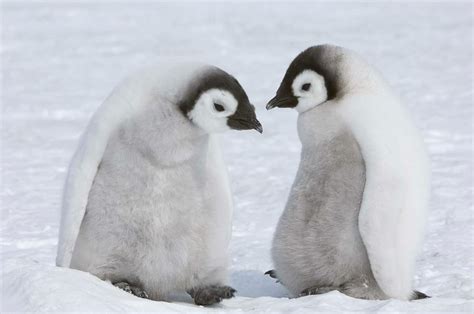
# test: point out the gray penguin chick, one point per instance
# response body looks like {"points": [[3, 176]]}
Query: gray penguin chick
{"points": [[356, 213], [147, 204]]}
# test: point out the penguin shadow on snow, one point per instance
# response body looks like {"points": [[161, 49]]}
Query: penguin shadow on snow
{"points": [[254, 284], [248, 283]]}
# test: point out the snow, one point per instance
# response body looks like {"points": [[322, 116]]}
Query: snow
{"points": [[59, 61]]}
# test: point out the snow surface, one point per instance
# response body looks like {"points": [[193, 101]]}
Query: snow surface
{"points": [[59, 61]]}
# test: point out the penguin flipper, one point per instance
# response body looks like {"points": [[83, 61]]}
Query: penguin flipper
{"points": [[391, 224], [81, 174], [220, 201], [83, 168]]}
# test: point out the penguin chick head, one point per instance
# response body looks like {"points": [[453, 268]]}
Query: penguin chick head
{"points": [[310, 80], [216, 102]]}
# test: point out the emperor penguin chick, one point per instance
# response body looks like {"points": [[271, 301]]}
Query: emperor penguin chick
{"points": [[356, 212], [147, 204]]}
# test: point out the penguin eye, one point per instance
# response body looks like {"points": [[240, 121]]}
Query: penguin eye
{"points": [[306, 86], [218, 107]]}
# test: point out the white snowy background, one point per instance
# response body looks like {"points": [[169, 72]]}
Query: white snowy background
{"points": [[60, 60]]}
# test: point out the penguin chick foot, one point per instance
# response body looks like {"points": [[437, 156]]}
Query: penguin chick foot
{"points": [[363, 288], [209, 295], [317, 290], [136, 291]]}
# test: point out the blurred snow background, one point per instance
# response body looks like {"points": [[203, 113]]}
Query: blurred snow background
{"points": [[60, 60]]}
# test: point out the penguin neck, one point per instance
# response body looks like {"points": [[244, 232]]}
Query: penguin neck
{"points": [[319, 124], [168, 137]]}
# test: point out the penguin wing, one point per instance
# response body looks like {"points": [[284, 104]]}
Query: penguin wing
{"points": [[393, 210], [83, 169], [221, 198]]}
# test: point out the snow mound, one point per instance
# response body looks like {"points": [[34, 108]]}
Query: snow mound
{"points": [[35, 287]]}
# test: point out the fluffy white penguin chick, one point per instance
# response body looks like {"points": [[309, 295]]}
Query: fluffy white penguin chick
{"points": [[147, 204], [356, 213]]}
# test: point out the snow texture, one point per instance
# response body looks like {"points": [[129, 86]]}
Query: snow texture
{"points": [[60, 61]]}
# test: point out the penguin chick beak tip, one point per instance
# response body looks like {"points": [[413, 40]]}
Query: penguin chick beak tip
{"points": [[269, 106], [258, 127]]}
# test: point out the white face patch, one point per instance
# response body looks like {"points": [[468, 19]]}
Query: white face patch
{"points": [[310, 89], [212, 109]]}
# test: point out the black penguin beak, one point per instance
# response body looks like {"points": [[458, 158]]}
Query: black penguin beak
{"points": [[245, 124], [282, 102], [258, 127], [245, 120]]}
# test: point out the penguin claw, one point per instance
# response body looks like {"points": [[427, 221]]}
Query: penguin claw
{"points": [[272, 274], [420, 295], [136, 291], [209, 295], [317, 290]]}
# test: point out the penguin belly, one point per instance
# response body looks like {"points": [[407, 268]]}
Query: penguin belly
{"points": [[317, 241], [145, 224]]}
